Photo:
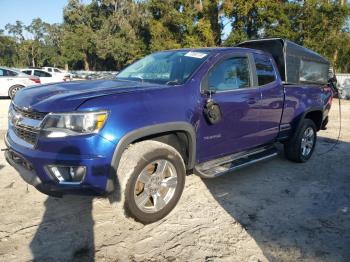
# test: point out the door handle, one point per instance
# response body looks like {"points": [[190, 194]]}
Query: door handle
{"points": [[251, 101]]}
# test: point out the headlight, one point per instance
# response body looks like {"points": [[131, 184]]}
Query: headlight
{"points": [[72, 124]]}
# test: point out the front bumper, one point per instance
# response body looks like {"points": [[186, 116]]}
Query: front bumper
{"points": [[31, 164], [27, 174]]}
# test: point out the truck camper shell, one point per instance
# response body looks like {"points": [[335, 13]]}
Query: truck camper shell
{"points": [[296, 64]]}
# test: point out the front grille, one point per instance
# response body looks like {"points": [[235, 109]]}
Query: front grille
{"points": [[30, 114], [25, 123], [29, 135]]}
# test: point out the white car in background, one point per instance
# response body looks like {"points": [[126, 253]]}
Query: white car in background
{"points": [[45, 77], [57, 72], [11, 80]]}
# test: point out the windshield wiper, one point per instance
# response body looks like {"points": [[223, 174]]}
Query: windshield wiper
{"points": [[132, 79], [173, 82]]}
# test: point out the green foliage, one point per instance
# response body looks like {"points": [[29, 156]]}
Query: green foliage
{"points": [[109, 34], [7, 51], [119, 36]]}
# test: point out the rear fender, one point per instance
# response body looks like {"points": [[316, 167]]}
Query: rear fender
{"points": [[298, 121]]}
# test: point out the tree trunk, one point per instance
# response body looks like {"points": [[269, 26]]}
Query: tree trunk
{"points": [[66, 67], [33, 60], [335, 57], [214, 16], [86, 62]]}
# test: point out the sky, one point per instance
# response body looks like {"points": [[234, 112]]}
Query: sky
{"points": [[50, 11]]}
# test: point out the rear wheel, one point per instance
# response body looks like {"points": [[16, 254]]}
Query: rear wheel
{"points": [[13, 90], [301, 146], [152, 178]]}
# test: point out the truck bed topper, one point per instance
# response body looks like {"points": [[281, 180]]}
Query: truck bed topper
{"points": [[296, 64]]}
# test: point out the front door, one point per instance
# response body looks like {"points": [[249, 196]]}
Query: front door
{"points": [[230, 85]]}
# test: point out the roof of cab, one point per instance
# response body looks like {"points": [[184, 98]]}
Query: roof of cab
{"points": [[216, 49]]}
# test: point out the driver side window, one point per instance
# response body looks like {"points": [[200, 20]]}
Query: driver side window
{"points": [[230, 74]]}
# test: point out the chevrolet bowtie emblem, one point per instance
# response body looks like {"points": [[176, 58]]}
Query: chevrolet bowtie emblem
{"points": [[26, 108]]}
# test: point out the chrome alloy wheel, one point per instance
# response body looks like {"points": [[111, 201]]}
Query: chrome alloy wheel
{"points": [[307, 141], [155, 186], [14, 91]]}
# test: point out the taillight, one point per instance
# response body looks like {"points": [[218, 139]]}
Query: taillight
{"points": [[35, 80]]}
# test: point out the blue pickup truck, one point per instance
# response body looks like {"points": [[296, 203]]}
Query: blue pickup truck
{"points": [[207, 111]]}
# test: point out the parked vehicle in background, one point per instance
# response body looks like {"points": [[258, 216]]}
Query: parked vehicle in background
{"points": [[45, 77], [94, 75], [344, 89], [57, 72], [207, 111], [11, 80], [343, 85]]}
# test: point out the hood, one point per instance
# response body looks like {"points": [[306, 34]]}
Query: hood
{"points": [[68, 96]]}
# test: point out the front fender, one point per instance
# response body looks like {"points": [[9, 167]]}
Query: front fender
{"points": [[146, 131]]}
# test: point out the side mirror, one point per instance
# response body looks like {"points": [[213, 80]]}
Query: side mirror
{"points": [[211, 109], [212, 112]]}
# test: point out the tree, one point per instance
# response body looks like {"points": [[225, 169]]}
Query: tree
{"points": [[186, 23], [121, 34], [80, 24], [52, 51], [16, 30], [109, 34], [317, 24], [37, 29], [7, 51]]}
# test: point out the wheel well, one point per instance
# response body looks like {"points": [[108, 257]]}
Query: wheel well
{"points": [[316, 117], [177, 139]]}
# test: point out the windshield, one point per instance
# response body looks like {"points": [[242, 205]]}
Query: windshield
{"points": [[170, 67]]}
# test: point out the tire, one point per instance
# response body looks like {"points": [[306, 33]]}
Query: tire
{"points": [[13, 90], [301, 146], [148, 194]]}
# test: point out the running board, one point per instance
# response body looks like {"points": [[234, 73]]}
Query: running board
{"points": [[221, 166]]}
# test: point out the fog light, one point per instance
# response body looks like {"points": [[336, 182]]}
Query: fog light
{"points": [[67, 174]]}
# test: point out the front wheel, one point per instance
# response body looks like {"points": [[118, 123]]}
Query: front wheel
{"points": [[301, 146], [13, 90], [152, 177]]}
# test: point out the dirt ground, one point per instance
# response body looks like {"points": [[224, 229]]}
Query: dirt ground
{"points": [[272, 211]]}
